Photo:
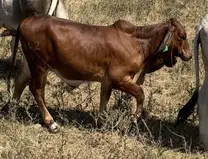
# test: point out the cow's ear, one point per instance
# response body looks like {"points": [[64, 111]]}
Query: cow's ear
{"points": [[125, 26], [172, 29], [173, 20]]}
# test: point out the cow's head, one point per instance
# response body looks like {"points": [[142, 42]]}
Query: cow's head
{"points": [[178, 45]]}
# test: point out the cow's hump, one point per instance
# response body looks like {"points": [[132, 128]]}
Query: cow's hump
{"points": [[125, 26]]}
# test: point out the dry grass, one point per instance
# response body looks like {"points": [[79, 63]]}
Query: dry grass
{"points": [[82, 136]]}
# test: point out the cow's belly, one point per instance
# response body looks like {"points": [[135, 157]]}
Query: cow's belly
{"points": [[74, 83], [10, 23]]}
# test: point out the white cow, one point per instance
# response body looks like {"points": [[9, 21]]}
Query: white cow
{"points": [[12, 12], [199, 97]]}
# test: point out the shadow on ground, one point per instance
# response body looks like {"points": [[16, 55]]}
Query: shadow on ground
{"points": [[183, 138]]}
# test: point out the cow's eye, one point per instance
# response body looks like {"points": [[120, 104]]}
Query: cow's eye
{"points": [[182, 37]]}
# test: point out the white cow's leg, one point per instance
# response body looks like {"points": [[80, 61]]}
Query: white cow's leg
{"points": [[61, 11], [203, 112]]}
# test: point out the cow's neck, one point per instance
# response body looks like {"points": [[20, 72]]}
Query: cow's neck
{"points": [[154, 35]]}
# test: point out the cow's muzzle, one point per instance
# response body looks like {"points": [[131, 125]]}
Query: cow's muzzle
{"points": [[186, 55]]}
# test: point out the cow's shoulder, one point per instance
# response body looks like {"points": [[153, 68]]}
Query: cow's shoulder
{"points": [[125, 26]]}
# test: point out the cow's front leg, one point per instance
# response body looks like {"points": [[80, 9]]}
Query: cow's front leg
{"points": [[37, 87], [106, 89], [129, 86]]}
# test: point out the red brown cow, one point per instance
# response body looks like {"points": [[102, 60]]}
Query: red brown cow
{"points": [[117, 56]]}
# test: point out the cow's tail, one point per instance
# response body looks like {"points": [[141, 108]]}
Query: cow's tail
{"points": [[13, 59], [188, 108]]}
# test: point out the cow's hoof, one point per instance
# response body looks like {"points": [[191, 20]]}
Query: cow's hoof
{"points": [[54, 127], [134, 119], [144, 114]]}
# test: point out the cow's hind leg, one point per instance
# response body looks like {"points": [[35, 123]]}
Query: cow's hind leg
{"points": [[37, 87]]}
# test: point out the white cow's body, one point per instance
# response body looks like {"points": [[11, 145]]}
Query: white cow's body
{"points": [[12, 12]]}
